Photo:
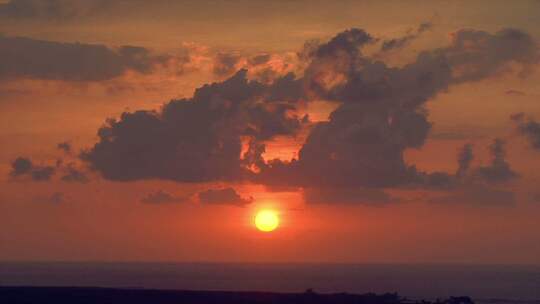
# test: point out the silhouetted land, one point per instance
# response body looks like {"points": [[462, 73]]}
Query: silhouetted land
{"points": [[84, 295]]}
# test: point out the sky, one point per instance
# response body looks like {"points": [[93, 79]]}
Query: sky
{"points": [[378, 131]]}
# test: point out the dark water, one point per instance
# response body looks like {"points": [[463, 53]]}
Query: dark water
{"points": [[486, 284]]}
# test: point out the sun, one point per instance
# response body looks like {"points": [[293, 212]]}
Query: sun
{"points": [[266, 220]]}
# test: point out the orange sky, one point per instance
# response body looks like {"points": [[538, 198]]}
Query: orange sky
{"points": [[104, 219]]}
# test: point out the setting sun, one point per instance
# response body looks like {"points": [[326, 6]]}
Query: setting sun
{"points": [[266, 220]]}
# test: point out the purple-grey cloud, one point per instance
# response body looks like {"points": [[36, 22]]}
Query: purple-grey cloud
{"points": [[225, 196], [162, 197], [22, 57], [23, 166]]}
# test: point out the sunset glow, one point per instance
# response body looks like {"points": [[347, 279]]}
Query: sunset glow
{"points": [[266, 220], [270, 131], [240, 151]]}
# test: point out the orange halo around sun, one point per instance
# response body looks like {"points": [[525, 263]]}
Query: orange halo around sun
{"points": [[266, 220]]}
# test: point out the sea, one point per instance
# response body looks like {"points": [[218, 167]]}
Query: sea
{"points": [[483, 283]]}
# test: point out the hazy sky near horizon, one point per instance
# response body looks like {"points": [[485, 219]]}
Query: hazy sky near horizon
{"points": [[380, 131]]}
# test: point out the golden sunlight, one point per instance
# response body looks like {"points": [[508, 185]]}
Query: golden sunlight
{"points": [[266, 220]]}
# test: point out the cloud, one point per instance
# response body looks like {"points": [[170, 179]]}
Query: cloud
{"points": [[465, 158], [64, 146], [475, 55], [264, 67], [162, 197], [219, 134], [192, 140], [529, 128], [338, 195], [398, 43], [226, 64], [259, 59], [499, 170], [381, 110], [225, 196], [39, 59], [73, 174], [478, 195], [347, 42], [287, 88], [23, 166], [54, 10]]}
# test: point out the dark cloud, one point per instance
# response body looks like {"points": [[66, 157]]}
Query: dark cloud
{"points": [[54, 10], [499, 170], [192, 140], [529, 128], [465, 157], [64, 146], [259, 59], [20, 166], [475, 55], [162, 197], [381, 110], [287, 88], [23, 166], [438, 180], [73, 174], [226, 196], [347, 195], [346, 42], [478, 195], [380, 113], [397, 43], [226, 64], [265, 68], [39, 59]]}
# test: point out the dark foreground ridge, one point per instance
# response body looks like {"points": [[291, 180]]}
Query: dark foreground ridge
{"points": [[88, 295]]}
